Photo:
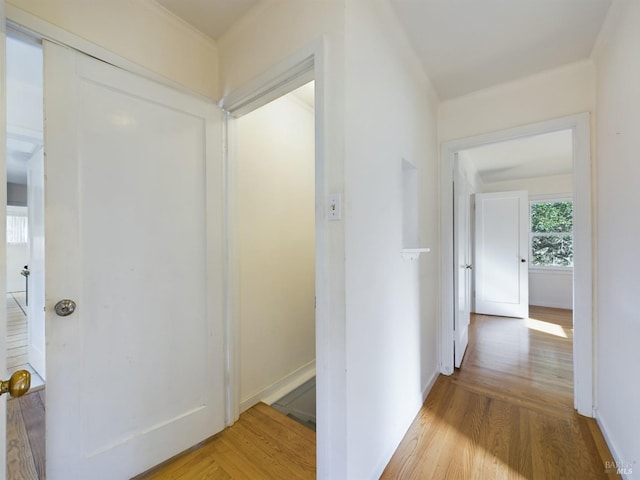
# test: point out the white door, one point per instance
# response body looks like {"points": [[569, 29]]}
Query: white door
{"points": [[35, 200], [134, 236], [502, 240], [462, 266], [3, 243]]}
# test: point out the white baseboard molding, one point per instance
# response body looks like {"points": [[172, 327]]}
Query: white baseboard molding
{"points": [[623, 467], [279, 389], [541, 303], [429, 385]]}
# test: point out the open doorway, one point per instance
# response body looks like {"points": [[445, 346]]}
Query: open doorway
{"points": [[273, 241], [25, 255], [515, 252], [578, 126], [541, 166]]}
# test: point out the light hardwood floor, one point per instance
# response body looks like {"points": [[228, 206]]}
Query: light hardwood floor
{"points": [[25, 415], [508, 412], [18, 338], [26, 437], [263, 444]]}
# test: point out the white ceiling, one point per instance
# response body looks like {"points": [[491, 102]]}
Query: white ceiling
{"points": [[530, 157], [464, 45], [468, 45]]}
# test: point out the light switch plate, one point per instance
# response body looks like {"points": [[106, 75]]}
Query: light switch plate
{"points": [[334, 207]]}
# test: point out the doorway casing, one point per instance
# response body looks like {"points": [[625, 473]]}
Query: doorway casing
{"points": [[297, 70], [583, 346]]}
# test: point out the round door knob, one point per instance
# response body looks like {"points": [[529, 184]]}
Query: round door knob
{"points": [[65, 307], [17, 385]]}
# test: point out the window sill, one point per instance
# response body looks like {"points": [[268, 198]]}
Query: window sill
{"points": [[552, 270]]}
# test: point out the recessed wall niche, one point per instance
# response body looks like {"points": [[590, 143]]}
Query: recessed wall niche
{"points": [[410, 225]]}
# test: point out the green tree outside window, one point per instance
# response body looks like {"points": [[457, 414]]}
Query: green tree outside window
{"points": [[552, 234]]}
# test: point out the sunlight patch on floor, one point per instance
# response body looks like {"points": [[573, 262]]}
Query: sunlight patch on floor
{"points": [[546, 327]]}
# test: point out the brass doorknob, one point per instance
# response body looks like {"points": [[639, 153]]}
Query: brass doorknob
{"points": [[17, 385]]}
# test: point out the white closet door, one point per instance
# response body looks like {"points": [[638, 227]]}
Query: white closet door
{"points": [[134, 236]]}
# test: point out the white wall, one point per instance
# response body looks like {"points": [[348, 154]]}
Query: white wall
{"points": [[390, 114], [16, 194], [276, 245], [551, 288], [140, 31], [380, 328], [260, 41], [17, 258], [552, 94], [618, 255]]}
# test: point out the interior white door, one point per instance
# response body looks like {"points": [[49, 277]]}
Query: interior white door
{"points": [[502, 281], [462, 266], [3, 242], [35, 200], [134, 235]]}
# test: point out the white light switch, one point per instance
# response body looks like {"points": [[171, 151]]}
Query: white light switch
{"points": [[334, 207]]}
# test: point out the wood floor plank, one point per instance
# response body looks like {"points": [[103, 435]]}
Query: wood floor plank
{"points": [[20, 465], [33, 415], [508, 412], [263, 444], [25, 415]]}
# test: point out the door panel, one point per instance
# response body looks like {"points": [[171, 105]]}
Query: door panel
{"points": [[3, 242], [35, 181], [134, 237], [502, 226], [462, 262]]}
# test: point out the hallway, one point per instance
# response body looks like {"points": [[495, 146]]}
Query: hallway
{"points": [[508, 412]]}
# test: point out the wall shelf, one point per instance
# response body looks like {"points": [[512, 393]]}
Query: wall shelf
{"points": [[413, 253]]}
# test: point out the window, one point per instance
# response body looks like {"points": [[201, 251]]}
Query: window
{"points": [[552, 234], [17, 227]]}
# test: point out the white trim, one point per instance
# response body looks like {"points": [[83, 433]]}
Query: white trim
{"points": [[285, 385], [306, 65], [583, 261], [285, 77], [427, 388], [550, 197], [612, 446], [552, 270]]}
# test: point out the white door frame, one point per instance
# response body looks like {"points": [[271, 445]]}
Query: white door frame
{"points": [[295, 71], [583, 345]]}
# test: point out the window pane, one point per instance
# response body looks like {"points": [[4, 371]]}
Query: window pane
{"points": [[17, 231], [552, 250], [552, 217]]}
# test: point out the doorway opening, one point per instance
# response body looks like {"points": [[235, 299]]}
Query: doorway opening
{"points": [[272, 210], [576, 129], [514, 252], [25, 255], [541, 166]]}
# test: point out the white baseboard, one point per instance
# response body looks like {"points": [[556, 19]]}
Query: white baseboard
{"points": [[429, 385], [626, 468], [279, 389], [541, 303]]}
